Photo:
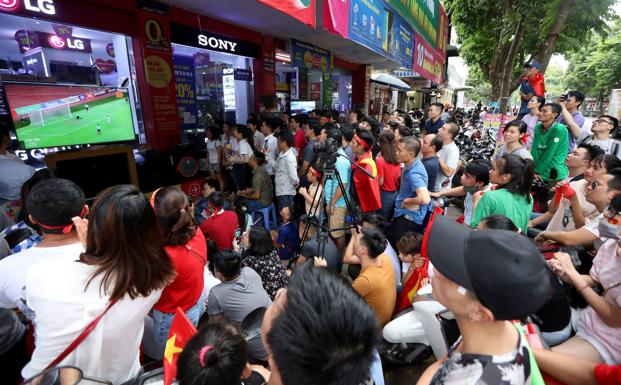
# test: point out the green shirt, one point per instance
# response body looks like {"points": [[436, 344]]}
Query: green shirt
{"points": [[501, 201], [550, 151], [262, 183]]}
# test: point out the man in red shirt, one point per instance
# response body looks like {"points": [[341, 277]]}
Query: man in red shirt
{"points": [[222, 225], [367, 188], [296, 125]]}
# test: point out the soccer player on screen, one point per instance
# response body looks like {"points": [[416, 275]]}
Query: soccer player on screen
{"points": [[86, 107], [108, 120], [98, 129]]}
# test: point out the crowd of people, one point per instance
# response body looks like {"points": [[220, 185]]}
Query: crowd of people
{"points": [[323, 220]]}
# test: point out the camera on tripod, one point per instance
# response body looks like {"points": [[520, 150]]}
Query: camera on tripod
{"points": [[329, 146]]}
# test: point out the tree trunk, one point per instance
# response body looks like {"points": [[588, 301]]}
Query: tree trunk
{"points": [[547, 47], [510, 58]]}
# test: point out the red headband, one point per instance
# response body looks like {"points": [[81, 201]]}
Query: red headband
{"points": [[65, 229], [315, 172], [361, 141]]}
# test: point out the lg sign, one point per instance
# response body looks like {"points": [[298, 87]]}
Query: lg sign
{"points": [[37, 6], [71, 43]]}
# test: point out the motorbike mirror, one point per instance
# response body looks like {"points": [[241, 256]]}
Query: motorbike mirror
{"points": [[62, 375], [251, 325]]}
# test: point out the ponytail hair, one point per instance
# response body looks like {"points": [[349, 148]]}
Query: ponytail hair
{"points": [[522, 173]]}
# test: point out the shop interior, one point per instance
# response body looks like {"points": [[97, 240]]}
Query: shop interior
{"points": [[216, 90]]}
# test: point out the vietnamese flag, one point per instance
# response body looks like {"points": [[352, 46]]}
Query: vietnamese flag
{"points": [[414, 282], [181, 331]]}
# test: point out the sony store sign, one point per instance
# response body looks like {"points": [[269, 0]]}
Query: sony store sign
{"points": [[40, 7], [211, 41]]}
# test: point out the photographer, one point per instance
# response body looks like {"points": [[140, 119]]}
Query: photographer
{"points": [[335, 203], [367, 187]]}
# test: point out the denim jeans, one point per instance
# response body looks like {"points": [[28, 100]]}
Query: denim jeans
{"points": [[162, 322], [255, 204], [388, 199]]}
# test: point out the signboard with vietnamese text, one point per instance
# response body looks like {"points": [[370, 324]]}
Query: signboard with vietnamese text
{"points": [[401, 37], [185, 83], [427, 61], [443, 30], [422, 15], [309, 56]]}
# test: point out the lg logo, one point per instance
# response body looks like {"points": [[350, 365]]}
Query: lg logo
{"points": [[38, 6], [60, 43], [57, 41]]}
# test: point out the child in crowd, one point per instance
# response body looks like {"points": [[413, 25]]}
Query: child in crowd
{"points": [[312, 194], [218, 355], [475, 178], [287, 238], [409, 246]]}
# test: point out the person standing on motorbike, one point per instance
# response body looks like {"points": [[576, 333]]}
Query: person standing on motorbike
{"points": [[486, 278]]}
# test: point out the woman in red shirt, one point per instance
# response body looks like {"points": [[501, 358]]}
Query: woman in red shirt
{"points": [[389, 173], [187, 249]]}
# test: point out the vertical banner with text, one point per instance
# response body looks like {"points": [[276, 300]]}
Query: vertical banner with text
{"points": [[158, 68], [185, 83]]}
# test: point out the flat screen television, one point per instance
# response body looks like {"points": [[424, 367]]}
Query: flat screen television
{"points": [[50, 115], [299, 107]]}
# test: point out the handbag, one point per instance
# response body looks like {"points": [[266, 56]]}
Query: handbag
{"points": [[73, 345]]}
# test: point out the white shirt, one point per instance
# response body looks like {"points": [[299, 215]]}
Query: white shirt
{"points": [[212, 150], [14, 268], [271, 143], [56, 291], [258, 139], [13, 174], [244, 148], [286, 178], [450, 155]]}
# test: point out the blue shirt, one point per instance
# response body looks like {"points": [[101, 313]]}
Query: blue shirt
{"points": [[432, 165], [343, 167], [525, 88], [431, 127], [288, 237], [413, 178]]}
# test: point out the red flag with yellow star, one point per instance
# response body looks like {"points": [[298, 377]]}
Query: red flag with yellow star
{"points": [[181, 331]]}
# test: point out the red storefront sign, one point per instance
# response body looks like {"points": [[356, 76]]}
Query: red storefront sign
{"points": [[428, 61], [157, 56]]}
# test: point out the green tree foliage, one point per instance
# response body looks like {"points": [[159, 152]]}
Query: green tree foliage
{"points": [[596, 69], [498, 36]]}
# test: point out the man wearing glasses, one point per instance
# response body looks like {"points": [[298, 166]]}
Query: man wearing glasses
{"points": [[601, 133]]}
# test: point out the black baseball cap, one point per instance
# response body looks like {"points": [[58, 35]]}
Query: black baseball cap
{"points": [[504, 269]]}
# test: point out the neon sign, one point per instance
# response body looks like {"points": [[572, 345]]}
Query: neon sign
{"points": [[37, 6]]}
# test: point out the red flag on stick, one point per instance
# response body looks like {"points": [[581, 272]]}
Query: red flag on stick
{"points": [[181, 331]]}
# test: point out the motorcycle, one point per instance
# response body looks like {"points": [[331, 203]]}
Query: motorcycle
{"points": [[417, 333]]}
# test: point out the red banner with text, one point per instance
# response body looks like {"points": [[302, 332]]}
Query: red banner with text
{"points": [[303, 10], [158, 70], [428, 62]]}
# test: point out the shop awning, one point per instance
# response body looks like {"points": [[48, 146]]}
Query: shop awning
{"points": [[391, 81]]}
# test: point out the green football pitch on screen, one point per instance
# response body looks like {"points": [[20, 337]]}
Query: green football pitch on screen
{"points": [[112, 116]]}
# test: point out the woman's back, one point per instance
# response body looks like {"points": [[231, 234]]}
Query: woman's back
{"points": [[501, 201], [63, 307]]}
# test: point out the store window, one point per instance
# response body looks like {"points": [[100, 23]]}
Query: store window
{"points": [[211, 85], [67, 85], [341, 89]]}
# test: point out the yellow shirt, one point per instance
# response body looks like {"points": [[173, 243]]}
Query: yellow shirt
{"points": [[377, 285]]}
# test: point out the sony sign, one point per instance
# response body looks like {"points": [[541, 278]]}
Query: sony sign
{"points": [[216, 43], [37, 6]]}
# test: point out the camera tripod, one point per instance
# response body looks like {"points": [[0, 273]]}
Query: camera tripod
{"points": [[330, 173]]}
